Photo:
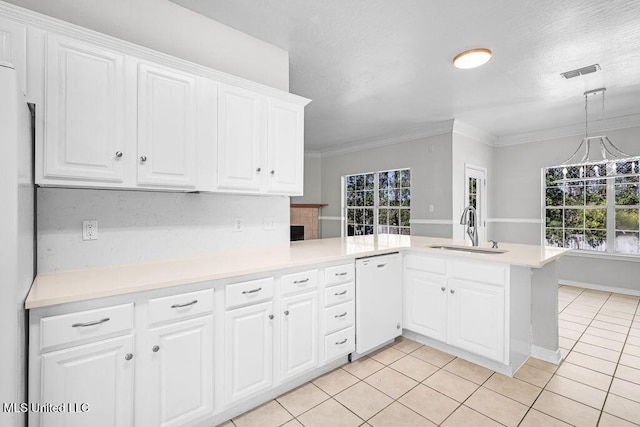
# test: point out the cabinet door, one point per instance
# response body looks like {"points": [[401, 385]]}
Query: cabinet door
{"points": [[285, 147], [97, 375], [179, 366], [167, 145], [299, 336], [425, 304], [248, 350], [476, 318], [239, 139], [84, 115]]}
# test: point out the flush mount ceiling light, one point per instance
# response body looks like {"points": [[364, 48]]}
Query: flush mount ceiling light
{"points": [[472, 58]]}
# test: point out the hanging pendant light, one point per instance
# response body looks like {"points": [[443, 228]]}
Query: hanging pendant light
{"points": [[607, 149]]}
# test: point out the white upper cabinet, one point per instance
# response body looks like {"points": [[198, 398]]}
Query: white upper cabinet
{"points": [[239, 139], [13, 43], [167, 127], [285, 147], [84, 123]]}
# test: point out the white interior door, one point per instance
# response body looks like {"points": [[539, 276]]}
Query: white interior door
{"points": [[475, 194]]}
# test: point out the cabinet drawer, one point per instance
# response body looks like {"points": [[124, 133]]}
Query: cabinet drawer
{"points": [[432, 264], [339, 344], [249, 292], [339, 317], [179, 306], [299, 281], [480, 272], [339, 293], [80, 326], [339, 274]]}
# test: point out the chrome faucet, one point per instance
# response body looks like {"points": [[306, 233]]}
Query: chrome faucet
{"points": [[469, 219]]}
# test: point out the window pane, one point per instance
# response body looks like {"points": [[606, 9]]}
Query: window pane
{"points": [[627, 195], [404, 217], [405, 197], [368, 217], [383, 180], [627, 242], [627, 219], [368, 229], [554, 237], [574, 196], [394, 217], [554, 218], [383, 217], [405, 178], [596, 240], [627, 168], [554, 197], [574, 239], [574, 218], [595, 219], [359, 182], [394, 199], [351, 183], [369, 182], [350, 216], [368, 198], [552, 175], [596, 195]]}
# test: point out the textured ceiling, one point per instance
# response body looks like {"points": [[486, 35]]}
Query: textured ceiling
{"points": [[375, 68]]}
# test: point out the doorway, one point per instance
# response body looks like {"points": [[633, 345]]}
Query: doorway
{"points": [[475, 194]]}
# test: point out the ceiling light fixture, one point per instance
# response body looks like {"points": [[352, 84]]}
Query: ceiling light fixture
{"points": [[472, 58]]}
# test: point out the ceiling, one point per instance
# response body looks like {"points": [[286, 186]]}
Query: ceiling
{"points": [[379, 68]]}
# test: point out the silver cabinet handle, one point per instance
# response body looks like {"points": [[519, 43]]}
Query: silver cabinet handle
{"points": [[341, 342], [452, 291], [95, 322], [128, 356], [271, 316], [273, 172], [340, 293], [118, 154], [344, 273], [443, 289], [155, 348], [381, 265], [143, 159], [286, 312], [195, 301], [252, 291], [297, 282], [258, 170], [337, 316]]}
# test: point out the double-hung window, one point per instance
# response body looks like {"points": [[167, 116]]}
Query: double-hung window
{"points": [[377, 203], [594, 206]]}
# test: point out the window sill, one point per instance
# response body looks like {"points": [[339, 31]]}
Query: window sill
{"points": [[614, 257]]}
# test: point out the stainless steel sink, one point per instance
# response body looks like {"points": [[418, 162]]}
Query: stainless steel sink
{"points": [[469, 249]]}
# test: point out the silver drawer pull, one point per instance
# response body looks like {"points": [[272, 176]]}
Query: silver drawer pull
{"points": [[337, 316], [297, 282], [340, 293], [381, 265], [344, 273], [184, 305], [341, 342], [252, 291], [96, 322]]}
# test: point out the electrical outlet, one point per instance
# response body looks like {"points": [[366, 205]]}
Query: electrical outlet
{"points": [[269, 224], [430, 208], [90, 229], [237, 224]]}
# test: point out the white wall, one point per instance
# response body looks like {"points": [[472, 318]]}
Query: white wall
{"points": [[172, 29], [518, 168], [467, 150], [312, 180], [139, 226], [430, 162]]}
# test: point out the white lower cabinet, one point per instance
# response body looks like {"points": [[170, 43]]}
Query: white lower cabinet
{"points": [[461, 303], [177, 371], [339, 330], [299, 334], [248, 350], [93, 382]]}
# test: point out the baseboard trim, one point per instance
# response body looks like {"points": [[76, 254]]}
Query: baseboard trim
{"points": [[547, 355], [595, 287]]}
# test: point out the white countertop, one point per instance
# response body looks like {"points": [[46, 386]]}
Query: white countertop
{"points": [[72, 286]]}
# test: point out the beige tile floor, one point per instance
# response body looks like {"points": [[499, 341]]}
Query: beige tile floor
{"points": [[408, 384]]}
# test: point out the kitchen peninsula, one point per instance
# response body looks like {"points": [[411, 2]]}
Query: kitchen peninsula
{"points": [[243, 326]]}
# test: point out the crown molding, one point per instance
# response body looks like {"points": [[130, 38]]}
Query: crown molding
{"points": [[613, 123], [477, 134], [47, 23], [432, 129]]}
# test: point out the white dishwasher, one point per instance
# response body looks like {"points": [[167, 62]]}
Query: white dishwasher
{"points": [[378, 301]]}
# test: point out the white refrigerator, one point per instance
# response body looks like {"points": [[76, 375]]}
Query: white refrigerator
{"points": [[17, 242]]}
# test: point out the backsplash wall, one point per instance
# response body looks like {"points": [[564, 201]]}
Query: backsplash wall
{"points": [[138, 226]]}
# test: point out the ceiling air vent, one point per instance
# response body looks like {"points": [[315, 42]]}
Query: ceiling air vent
{"points": [[581, 71]]}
